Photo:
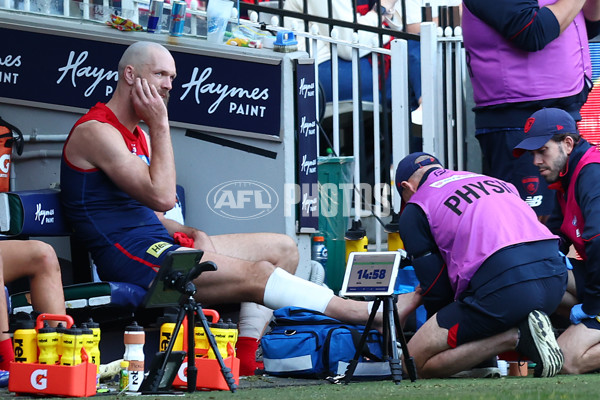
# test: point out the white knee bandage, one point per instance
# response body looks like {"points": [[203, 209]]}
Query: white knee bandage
{"points": [[253, 319], [284, 289]]}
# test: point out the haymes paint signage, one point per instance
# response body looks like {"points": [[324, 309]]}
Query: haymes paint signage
{"points": [[240, 96]]}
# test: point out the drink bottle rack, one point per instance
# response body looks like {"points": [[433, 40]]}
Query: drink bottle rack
{"points": [[55, 380]]}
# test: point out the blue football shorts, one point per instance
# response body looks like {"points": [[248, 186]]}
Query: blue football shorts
{"points": [[495, 307], [136, 262]]}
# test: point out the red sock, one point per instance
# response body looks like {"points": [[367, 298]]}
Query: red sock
{"points": [[246, 351], [7, 354]]}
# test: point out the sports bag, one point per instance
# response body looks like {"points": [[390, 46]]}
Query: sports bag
{"points": [[309, 344]]}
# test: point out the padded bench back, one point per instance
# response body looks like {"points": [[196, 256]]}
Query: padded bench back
{"points": [[32, 213]]}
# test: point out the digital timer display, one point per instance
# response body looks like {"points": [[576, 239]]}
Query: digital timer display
{"points": [[375, 274], [371, 273]]}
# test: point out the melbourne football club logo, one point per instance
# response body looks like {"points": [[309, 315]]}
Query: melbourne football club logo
{"points": [[531, 184], [529, 124]]}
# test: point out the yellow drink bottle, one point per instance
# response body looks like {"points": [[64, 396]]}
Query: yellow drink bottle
{"points": [[124, 376], [356, 239], [47, 341], [25, 342], [166, 332], [202, 344], [220, 331], [232, 335], [60, 329], [72, 342], [201, 341], [393, 235], [95, 351], [87, 335]]}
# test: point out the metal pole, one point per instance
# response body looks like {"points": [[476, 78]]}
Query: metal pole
{"points": [[356, 126], [400, 108], [376, 149], [429, 84]]}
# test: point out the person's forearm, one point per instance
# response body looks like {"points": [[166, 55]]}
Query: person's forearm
{"points": [[173, 226], [162, 166], [159, 193], [591, 10], [565, 11]]}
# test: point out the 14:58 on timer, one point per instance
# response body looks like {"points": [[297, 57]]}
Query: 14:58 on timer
{"points": [[375, 274]]}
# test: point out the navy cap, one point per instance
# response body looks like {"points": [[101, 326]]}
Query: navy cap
{"points": [[408, 165], [542, 126]]}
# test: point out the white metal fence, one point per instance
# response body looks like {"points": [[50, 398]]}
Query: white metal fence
{"points": [[443, 107], [443, 72]]}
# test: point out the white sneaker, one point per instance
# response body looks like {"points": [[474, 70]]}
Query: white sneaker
{"points": [[538, 343]]}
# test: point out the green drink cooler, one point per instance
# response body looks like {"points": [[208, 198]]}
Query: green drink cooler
{"points": [[334, 214]]}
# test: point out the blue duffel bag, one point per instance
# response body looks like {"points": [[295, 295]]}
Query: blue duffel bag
{"points": [[307, 343]]}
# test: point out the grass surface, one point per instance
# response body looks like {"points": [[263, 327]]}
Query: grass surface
{"points": [[528, 388], [561, 387]]}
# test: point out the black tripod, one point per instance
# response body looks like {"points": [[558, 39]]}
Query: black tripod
{"points": [[188, 307], [391, 330]]}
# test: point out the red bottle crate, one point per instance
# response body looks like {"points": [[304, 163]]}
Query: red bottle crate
{"points": [[56, 380]]}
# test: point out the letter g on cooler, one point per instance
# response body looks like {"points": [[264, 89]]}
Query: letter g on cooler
{"points": [[5, 163], [182, 372], [39, 379]]}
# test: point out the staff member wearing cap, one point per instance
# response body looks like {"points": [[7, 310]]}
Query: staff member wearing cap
{"points": [[489, 271], [572, 167]]}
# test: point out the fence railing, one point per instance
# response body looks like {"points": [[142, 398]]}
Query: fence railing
{"points": [[443, 74], [443, 107]]}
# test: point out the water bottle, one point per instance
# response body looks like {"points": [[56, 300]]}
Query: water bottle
{"points": [[95, 350], [88, 344], [356, 239], [167, 326], [47, 341], [232, 335], [72, 342], [25, 342], [393, 235], [220, 332], [202, 345], [201, 341], [319, 251], [124, 376], [224, 333], [134, 339], [60, 330]]}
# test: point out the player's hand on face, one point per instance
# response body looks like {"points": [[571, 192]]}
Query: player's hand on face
{"points": [[148, 103]]}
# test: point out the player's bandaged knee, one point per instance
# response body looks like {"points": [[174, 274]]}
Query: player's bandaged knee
{"points": [[284, 289]]}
